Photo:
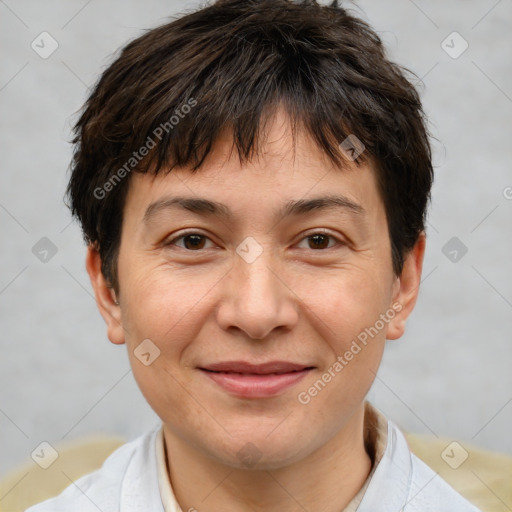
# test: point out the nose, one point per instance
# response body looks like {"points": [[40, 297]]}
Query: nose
{"points": [[256, 299]]}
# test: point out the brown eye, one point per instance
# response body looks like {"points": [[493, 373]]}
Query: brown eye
{"points": [[194, 241], [318, 241], [191, 241]]}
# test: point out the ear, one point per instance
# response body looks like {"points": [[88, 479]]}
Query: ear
{"points": [[406, 288], [105, 297]]}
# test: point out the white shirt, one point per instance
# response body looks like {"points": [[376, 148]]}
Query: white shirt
{"points": [[135, 479], [376, 437]]}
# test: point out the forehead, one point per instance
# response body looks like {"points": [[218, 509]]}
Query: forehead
{"points": [[283, 170]]}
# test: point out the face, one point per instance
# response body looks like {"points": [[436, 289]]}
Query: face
{"points": [[281, 264]]}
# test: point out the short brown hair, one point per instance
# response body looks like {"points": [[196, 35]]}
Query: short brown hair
{"points": [[228, 65]]}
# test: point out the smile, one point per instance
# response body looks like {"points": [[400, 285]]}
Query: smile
{"points": [[256, 381]]}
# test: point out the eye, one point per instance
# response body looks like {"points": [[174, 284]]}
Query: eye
{"points": [[196, 241], [191, 241], [320, 240]]}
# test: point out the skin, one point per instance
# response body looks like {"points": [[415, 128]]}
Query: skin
{"points": [[295, 302]]}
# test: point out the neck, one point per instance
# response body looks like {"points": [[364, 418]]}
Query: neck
{"points": [[326, 479]]}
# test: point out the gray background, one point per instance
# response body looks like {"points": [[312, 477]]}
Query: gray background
{"points": [[450, 375]]}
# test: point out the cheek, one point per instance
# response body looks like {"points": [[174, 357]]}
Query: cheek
{"points": [[345, 311], [345, 304], [346, 315], [164, 304], [170, 313], [168, 307]]}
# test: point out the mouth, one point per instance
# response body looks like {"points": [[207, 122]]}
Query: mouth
{"points": [[248, 380]]}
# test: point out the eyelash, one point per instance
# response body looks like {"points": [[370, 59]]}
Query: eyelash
{"points": [[318, 232]]}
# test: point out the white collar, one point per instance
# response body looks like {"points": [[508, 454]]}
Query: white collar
{"points": [[380, 439]]}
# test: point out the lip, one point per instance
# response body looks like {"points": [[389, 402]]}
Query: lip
{"points": [[258, 369], [248, 380]]}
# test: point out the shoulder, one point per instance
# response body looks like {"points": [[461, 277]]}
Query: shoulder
{"points": [[429, 492], [103, 488], [401, 482]]}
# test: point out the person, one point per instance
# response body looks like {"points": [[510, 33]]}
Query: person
{"points": [[252, 181]]}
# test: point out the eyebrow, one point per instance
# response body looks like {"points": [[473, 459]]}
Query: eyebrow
{"points": [[213, 208]]}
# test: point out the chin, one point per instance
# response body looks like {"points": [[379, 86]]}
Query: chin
{"points": [[258, 451]]}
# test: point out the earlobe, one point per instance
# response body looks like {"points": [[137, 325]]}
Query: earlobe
{"points": [[106, 300], [407, 288]]}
